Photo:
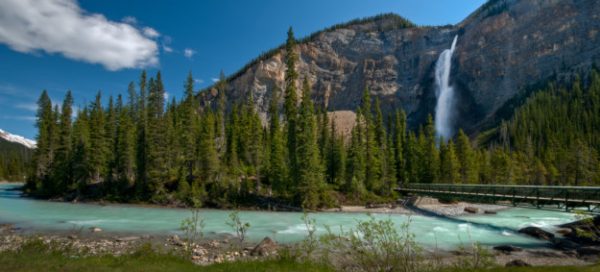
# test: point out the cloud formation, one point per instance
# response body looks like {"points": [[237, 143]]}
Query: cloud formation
{"points": [[189, 53], [61, 26], [150, 32]]}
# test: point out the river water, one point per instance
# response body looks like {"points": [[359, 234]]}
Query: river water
{"points": [[36, 215]]}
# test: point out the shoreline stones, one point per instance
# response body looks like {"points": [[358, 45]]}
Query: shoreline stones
{"points": [[95, 229], [266, 247], [507, 249], [537, 233]]}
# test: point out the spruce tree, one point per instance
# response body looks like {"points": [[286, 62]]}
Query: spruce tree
{"points": [[62, 165], [291, 106], [310, 170], [98, 145], [278, 170]]}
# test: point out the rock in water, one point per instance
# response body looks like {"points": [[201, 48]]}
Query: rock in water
{"points": [[265, 248], [472, 209], [537, 233]]}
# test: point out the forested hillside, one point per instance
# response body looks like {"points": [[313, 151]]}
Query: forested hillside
{"points": [[14, 160], [143, 148]]}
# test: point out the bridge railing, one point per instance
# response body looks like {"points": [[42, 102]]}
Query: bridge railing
{"points": [[567, 194]]}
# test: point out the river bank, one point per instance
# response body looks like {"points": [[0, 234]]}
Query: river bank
{"points": [[93, 242]]}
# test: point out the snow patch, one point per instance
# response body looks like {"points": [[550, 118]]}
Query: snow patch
{"points": [[17, 139]]}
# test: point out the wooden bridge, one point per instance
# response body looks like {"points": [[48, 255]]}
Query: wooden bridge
{"points": [[542, 197]]}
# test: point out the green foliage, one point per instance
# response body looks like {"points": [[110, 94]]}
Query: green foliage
{"points": [[240, 228], [192, 228]]}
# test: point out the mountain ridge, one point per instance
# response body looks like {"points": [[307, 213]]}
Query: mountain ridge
{"points": [[17, 139], [503, 47]]}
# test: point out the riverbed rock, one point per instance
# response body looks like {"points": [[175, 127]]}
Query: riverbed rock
{"points": [[517, 263], [589, 250], [490, 212], [564, 244], [564, 231], [585, 231], [265, 248], [176, 240], [507, 249], [537, 233], [470, 209], [95, 229], [199, 251], [128, 239]]}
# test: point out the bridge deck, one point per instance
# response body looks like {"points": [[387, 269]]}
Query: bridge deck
{"points": [[568, 196]]}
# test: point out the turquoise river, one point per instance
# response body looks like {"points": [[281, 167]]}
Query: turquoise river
{"points": [[44, 216]]}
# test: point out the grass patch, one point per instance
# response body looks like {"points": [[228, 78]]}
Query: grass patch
{"points": [[35, 256]]}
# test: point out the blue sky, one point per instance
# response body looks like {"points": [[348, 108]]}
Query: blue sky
{"points": [[92, 45]]}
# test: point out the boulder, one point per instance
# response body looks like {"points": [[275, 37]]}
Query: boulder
{"points": [[128, 239], [176, 240], [490, 212], [507, 249], [589, 251], [471, 209], [95, 229], [564, 244], [517, 263], [537, 233], [265, 248], [564, 231]]}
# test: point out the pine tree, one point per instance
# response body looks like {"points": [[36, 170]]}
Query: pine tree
{"points": [[278, 171], [373, 174], [310, 171], [188, 129], [156, 145], [429, 154], [466, 158], [124, 147], [63, 175], [291, 107], [98, 145], [43, 156], [400, 145], [142, 141], [449, 165]]}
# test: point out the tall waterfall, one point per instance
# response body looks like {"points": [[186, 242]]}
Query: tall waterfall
{"points": [[444, 110]]}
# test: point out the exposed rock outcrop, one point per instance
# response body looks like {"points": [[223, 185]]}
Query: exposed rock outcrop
{"points": [[502, 48]]}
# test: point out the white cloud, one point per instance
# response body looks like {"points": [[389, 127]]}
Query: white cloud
{"points": [[167, 48], [61, 26], [150, 32], [198, 80], [214, 79], [188, 52], [166, 95], [27, 106], [129, 20], [18, 117]]}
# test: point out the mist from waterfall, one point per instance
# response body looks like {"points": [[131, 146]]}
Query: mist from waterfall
{"points": [[444, 110]]}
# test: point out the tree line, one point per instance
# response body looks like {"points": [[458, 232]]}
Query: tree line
{"points": [[14, 161], [143, 148]]}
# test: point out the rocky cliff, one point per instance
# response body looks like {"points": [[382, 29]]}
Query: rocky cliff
{"points": [[503, 47]]}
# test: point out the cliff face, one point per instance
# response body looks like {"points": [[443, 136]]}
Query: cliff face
{"points": [[502, 48]]}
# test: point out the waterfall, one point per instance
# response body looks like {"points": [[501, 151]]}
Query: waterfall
{"points": [[444, 112]]}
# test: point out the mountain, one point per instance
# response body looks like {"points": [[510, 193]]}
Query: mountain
{"points": [[8, 137], [504, 48]]}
